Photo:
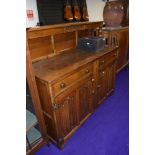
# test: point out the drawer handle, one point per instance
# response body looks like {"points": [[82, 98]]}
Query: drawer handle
{"points": [[98, 86], [103, 62], [87, 71], [93, 91], [92, 80], [68, 98], [103, 73], [62, 85]]}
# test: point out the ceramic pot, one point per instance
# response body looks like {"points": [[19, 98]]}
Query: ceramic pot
{"points": [[113, 13]]}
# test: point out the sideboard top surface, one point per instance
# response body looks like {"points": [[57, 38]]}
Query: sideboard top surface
{"points": [[115, 28], [61, 25], [52, 68]]}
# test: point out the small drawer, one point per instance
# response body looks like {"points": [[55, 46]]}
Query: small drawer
{"points": [[69, 80], [105, 60]]}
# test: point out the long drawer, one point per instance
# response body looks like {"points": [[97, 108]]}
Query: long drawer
{"points": [[66, 82]]}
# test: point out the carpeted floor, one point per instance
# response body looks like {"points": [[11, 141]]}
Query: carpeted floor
{"points": [[106, 132]]}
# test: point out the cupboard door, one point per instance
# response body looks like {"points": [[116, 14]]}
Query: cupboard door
{"points": [[123, 48], [66, 113], [102, 85], [94, 99], [110, 77], [85, 98]]}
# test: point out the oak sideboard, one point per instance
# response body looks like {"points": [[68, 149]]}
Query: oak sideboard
{"points": [[71, 83]]}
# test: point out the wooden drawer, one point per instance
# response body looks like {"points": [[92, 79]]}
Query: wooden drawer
{"points": [[71, 79], [107, 59]]}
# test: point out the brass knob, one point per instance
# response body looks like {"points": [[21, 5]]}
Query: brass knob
{"points": [[103, 62], [62, 85], [87, 71], [68, 98], [92, 80], [93, 91], [103, 72], [98, 86]]}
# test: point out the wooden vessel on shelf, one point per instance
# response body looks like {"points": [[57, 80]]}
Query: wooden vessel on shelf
{"points": [[71, 83], [77, 14], [68, 15], [85, 15]]}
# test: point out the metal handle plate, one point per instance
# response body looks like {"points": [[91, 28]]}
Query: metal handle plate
{"points": [[62, 85], [87, 71]]}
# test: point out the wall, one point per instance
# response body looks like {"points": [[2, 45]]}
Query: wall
{"points": [[95, 11], [32, 5]]}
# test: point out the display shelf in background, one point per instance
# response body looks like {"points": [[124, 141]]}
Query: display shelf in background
{"points": [[31, 120]]}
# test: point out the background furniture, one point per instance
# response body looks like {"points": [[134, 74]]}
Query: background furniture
{"points": [[36, 135], [71, 83], [52, 12], [122, 35]]}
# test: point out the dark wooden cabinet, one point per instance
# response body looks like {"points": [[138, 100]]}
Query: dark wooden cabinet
{"points": [[123, 48], [76, 91], [122, 35], [71, 83]]}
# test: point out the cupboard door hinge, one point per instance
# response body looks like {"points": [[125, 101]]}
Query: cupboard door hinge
{"points": [[67, 101], [54, 107]]}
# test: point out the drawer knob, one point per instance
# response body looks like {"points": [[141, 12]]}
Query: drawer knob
{"points": [[62, 85], [103, 62], [103, 72], [68, 98], [87, 71], [93, 91], [98, 86], [92, 80]]}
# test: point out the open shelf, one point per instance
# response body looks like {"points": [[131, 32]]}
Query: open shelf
{"points": [[31, 120], [33, 136]]}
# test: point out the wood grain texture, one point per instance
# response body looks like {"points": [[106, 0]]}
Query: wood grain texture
{"points": [[85, 99], [47, 41], [64, 41], [36, 102], [122, 35], [83, 33], [53, 68], [71, 83], [78, 86], [42, 31], [40, 47]]}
